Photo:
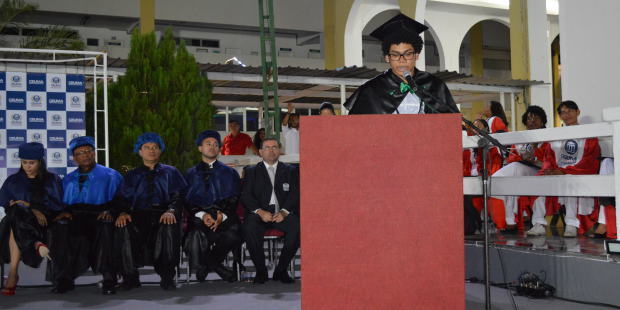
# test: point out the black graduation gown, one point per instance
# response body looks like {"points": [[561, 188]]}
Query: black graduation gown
{"points": [[381, 94], [211, 190], [44, 196], [145, 241]]}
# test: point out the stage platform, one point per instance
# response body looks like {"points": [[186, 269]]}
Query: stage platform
{"points": [[579, 268], [217, 294]]}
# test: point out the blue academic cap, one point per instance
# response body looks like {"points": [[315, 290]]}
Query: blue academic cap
{"points": [[81, 141], [208, 134], [32, 150], [146, 138]]}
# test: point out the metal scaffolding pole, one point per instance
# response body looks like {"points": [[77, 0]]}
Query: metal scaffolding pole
{"points": [[269, 68]]}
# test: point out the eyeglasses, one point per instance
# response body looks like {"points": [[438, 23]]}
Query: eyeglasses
{"points": [[394, 56], [84, 152], [150, 148], [275, 147]]}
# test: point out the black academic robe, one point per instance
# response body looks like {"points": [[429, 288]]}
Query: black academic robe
{"points": [[146, 241], [44, 196], [211, 190], [382, 95]]}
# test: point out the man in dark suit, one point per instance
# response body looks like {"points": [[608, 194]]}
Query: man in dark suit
{"points": [[271, 199]]}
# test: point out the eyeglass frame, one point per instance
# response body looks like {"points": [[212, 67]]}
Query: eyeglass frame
{"points": [[391, 55]]}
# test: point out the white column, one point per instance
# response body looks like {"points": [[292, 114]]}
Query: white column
{"points": [[451, 52], [613, 115], [245, 119], [362, 11], [513, 112], [227, 118], [420, 13], [343, 98], [540, 55], [589, 50]]}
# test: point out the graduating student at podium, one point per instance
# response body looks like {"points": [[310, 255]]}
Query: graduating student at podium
{"points": [[389, 92]]}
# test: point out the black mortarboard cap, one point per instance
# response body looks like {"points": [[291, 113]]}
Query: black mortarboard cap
{"points": [[398, 24]]}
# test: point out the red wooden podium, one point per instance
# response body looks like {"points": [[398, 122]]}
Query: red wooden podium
{"points": [[382, 212]]}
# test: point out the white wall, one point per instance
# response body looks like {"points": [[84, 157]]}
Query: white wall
{"points": [[451, 23], [540, 55], [589, 48], [243, 45], [290, 14], [362, 12]]}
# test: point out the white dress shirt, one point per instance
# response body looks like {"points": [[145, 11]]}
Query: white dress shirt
{"points": [[202, 213], [274, 199]]}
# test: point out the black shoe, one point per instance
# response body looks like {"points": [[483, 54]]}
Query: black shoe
{"points": [[109, 283], [283, 277], [261, 277], [225, 273], [201, 274], [63, 287], [131, 282], [167, 284], [108, 290]]}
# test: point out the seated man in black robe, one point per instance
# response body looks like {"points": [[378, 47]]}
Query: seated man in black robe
{"points": [[211, 198], [149, 232], [93, 200], [391, 92]]}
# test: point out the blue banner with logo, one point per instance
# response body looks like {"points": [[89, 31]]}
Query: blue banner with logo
{"points": [[48, 108]]}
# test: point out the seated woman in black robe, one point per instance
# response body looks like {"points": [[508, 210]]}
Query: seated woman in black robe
{"points": [[32, 197]]}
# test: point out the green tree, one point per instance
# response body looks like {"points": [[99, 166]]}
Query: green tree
{"points": [[162, 91], [13, 13], [9, 11]]}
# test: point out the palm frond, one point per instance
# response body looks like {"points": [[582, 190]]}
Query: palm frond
{"points": [[11, 9], [54, 37]]}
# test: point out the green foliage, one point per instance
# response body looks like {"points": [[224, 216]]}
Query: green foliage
{"points": [[54, 37], [12, 13], [162, 91], [10, 10]]}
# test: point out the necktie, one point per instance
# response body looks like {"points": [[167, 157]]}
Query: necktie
{"points": [[272, 177]]}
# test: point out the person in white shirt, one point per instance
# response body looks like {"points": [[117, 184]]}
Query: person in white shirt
{"points": [[290, 131]]}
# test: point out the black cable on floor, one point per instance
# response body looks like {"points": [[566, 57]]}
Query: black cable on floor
{"points": [[509, 286], [587, 302], [508, 290]]}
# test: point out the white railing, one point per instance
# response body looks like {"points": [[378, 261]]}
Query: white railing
{"points": [[99, 63], [240, 161], [608, 134]]}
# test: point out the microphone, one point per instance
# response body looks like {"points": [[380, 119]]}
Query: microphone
{"points": [[409, 78]]}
